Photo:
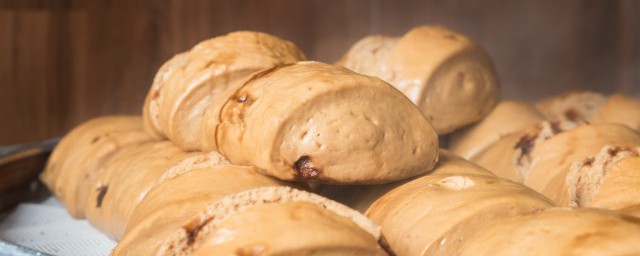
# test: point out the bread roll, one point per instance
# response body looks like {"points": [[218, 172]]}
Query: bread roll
{"points": [[552, 159], [510, 157], [557, 231], [275, 221], [317, 122], [360, 197], [440, 211], [449, 77], [593, 107], [173, 202], [610, 179], [191, 82], [370, 56], [506, 118], [572, 106], [620, 109], [131, 173], [76, 162]]}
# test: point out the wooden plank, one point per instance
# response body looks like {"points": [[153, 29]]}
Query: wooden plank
{"points": [[65, 61]]}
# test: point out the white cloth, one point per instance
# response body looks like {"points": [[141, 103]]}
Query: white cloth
{"points": [[48, 228]]}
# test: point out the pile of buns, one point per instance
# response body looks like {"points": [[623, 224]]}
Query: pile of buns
{"points": [[247, 148]]}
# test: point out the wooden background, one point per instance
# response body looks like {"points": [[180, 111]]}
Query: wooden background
{"points": [[62, 62]]}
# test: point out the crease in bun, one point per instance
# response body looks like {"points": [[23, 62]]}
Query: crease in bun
{"points": [[76, 162], [587, 178], [535, 136], [190, 83], [552, 159], [506, 118], [511, 157], [436, 212], [194, 233], [174, 201]]}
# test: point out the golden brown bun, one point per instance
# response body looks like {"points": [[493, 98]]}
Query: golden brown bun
{"points": [[76, 162], [557, 231], [501, 157], [130, 174], [510, 157], [610, 179], [318, 122], [449, 77], [275, 221], [506, 118], [189, 83], [592, 107], [621, 109], [173, 202], [321, 232], [439, 211], [572, 106], [370, 56], [360, 197], [552, 159]]}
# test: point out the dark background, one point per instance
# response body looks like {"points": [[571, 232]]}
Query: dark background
{"points": [[62, 62]]}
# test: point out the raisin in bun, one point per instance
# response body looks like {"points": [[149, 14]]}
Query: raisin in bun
{"points": [[510, 156], [448, 76], [190, 82], [130, 174], [173, 202], [275, 221], [76, 162], [557, 231], [506, 118], [323, 123]]}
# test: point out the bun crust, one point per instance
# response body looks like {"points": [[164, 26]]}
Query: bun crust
{"points": [[450, 206], [558, 231], [293, 123], [361, 197], [620, 109], [571, 106], [76, 162], [128, 175], [191, 82], [506, 118], [510, 157], [608, 180], [173, 202], [552, 159], [329, 219]]}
